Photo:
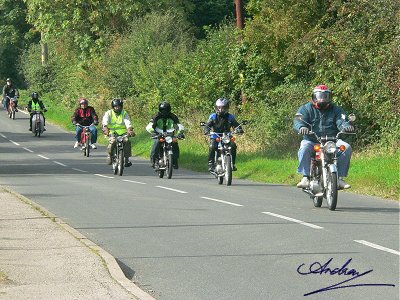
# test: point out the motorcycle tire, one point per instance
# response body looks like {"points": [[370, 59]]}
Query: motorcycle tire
{"points": [[121, 163], [331, 192], [169, 166], [87, 147], [13, 114], [228, 170]]}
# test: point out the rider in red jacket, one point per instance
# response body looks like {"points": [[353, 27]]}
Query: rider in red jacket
{"points": [[85, 115]]}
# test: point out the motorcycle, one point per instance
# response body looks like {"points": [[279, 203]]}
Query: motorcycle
{"points": [[324, 174], [11, 107], [37, 122], [117, 154], [86, 136], [166, 139], [223, 164]]}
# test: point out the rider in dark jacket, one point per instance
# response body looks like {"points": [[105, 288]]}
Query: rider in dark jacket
{"points": [[328, 119], [36, 104], [161, 122], [10, 91], [221, 121], [85, 115]]}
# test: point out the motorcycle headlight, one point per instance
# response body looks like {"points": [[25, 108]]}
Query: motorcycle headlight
{"points": [[330, 147], [226, 139], [168, 139]]}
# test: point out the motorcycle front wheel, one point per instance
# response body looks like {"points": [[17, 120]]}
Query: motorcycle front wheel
{"points": [[13, 114], [228, 170], [169, 166], [120, 163], [331, 192]]}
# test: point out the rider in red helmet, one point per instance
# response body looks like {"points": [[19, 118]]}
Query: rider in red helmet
{"points": [[328, 119], [85, 115]]}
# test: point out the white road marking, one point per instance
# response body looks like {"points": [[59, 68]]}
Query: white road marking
{"points": [[293, 220], [104, 176], [134, 181], [58, 163], [29, 150], [43, 156], [79, 170], [15, 143], [2, 135], [222, 201], [377, 247], [174, 190]]}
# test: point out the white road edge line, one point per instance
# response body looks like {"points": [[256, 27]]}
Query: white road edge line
{"points": [[15, 143], [29, 150], [174, 190], [2, 135], [104, 176], [43, 156], [58, 163], [79, 170], [222, 201], [377, 247], [138, 182], [293, 220]]}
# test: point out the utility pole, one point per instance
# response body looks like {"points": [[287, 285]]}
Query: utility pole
{"points": [[239, 14], [45, 50]]}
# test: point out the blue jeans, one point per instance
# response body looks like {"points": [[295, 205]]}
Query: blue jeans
{"points": [[93, 131], [307, 149]]}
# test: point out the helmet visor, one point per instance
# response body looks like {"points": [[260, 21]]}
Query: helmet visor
{"points": [[322, 96], [221, 109]]}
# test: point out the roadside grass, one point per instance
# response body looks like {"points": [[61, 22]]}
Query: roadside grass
{"points": [[3, 277], [375, 173]]}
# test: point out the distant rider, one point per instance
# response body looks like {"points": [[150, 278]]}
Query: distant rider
{"points": [[36, 105], [117, 121], [11, 91], [326, 118], [85, 115], [161, 122], [221, 121]]}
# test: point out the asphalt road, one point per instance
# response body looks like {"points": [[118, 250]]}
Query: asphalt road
{"points": [[190, 238]]}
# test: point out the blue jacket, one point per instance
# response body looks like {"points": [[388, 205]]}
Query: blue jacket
{"points": [[324, 122]]}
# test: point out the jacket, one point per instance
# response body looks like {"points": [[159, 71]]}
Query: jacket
{"points": [[221, 124], [164, 123], [85, 116], [35, 105], [326, 122]]}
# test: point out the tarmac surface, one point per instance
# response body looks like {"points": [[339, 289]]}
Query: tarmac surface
{"points": [[41, 257]]}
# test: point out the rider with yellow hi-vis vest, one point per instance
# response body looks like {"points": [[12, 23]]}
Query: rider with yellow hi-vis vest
{"points": [[116, 122], [36, 105]]}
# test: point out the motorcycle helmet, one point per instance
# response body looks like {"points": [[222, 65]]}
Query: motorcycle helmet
{"points": [[117, 104], [164, 108], [321, 96], [222, 106], [8, 80], [83, 101], [35, 96]]}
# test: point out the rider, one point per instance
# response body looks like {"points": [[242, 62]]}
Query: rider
{"points": [[117, 120], [328, 119], [11, 91], [36, 104], [161, 122], [85, 115], [221, 121]]}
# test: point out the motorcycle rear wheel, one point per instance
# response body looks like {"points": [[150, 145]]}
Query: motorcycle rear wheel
{"points": [[331, 192]]}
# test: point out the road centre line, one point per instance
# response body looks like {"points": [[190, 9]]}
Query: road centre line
{"points": [[15, 143], [29, 150], [43, 156], [174, 190], [79, 170], [222, 201], [377, 247], [58, 163], [138, 182], [293, 220], [104, 176]]}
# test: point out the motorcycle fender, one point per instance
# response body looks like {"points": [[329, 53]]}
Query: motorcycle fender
{"points": [[333, 168]]}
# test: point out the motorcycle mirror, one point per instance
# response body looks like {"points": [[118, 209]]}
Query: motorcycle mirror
{"points": [[352, 117], [298, 116], [202, 123]]}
